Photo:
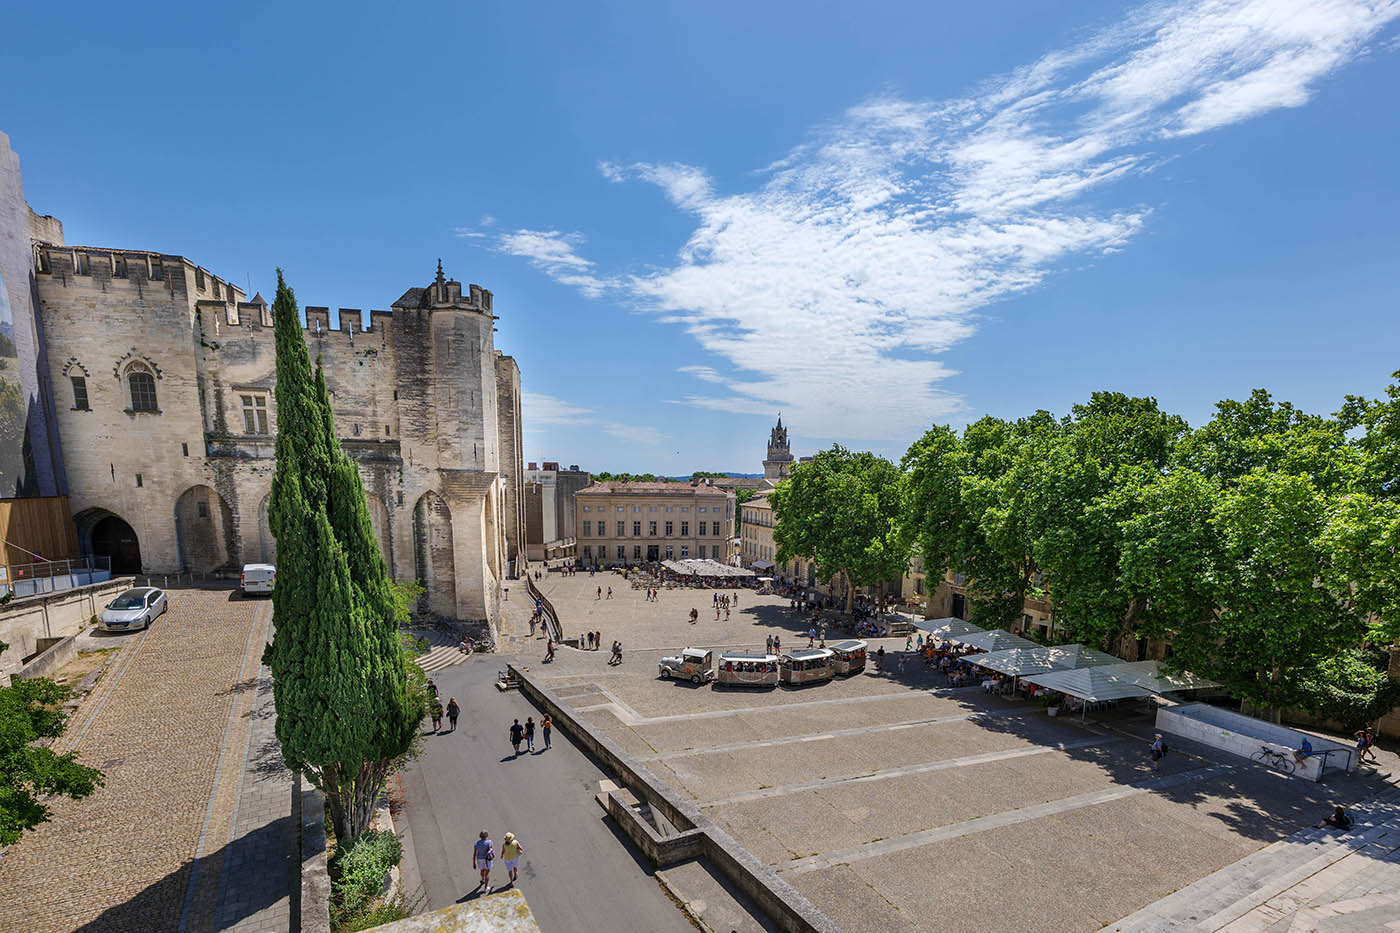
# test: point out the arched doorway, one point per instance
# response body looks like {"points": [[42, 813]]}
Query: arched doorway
{"points": [[204, 531], [432, 553], [111, 537]]}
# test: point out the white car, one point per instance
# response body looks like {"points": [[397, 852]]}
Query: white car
{"points": [[694, 664], [135, 609], [257, 578]]}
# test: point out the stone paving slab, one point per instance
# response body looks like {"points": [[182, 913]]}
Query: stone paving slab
{"points": [[159, 724]]}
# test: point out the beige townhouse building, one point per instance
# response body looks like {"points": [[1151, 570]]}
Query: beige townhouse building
{"points": [[634, 523]]}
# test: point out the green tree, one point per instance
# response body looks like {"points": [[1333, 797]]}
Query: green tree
{"points": [[845, 512], [1077, 486], [933, 507], [32, 711], [346, 715], [1352, 689]]}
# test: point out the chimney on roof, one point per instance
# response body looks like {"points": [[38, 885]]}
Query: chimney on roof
{"points": [[573, 468], [533, 466]]}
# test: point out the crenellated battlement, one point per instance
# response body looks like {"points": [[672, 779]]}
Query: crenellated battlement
{"points": [[111, 268]]}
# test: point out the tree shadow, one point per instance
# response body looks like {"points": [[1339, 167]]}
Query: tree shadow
{"points": [[231, 884]]}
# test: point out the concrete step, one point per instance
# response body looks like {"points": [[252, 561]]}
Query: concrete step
{"points": [[1226, 896], [438, 658]]}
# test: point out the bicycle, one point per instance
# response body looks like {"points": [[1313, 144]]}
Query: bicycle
{"points": [[1275, 759]]}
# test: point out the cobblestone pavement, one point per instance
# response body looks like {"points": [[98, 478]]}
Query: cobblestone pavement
{"points": [[171, 723], [895, 802]]}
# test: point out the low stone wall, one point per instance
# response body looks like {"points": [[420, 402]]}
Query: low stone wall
{"points": [[660, 850], [53, 615], [553, 627], [783, 905], [1244, 736], [312, 913], [52, 657]]}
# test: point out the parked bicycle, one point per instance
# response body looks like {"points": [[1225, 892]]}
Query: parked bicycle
{"points": [[1281, 761]]}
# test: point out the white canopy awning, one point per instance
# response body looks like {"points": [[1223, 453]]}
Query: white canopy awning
{"points": [[1017, 662], [1088, 683], [997, 639], [761, 564], [1151, 676], [945, 628]]}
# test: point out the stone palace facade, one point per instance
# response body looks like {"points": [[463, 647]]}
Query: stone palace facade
{"points": [[161, 375]]}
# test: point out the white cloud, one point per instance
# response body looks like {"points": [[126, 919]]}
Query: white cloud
{"points": [[553, 253], [546, 409], [832, 285], [636, 433]]}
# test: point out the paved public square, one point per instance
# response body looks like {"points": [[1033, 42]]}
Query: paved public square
{"points": [[894, 802]]}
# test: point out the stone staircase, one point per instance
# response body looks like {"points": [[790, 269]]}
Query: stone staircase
{"points": [[1315, 880], [443, 653]]}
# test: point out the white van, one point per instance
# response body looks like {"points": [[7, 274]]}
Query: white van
{"points": [[257, 578]]}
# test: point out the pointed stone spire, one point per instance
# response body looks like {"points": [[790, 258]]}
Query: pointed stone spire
{"points": [[439, 279]]}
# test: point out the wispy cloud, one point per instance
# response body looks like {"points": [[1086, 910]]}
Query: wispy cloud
{"points": [[831, 287], [542, 409], [546, 409], [553, 253]]}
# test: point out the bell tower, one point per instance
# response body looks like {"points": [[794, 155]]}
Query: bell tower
{"points": [[779, 460]]}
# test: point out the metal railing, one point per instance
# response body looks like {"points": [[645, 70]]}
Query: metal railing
{"points": [[49, 576], [551, 617]]}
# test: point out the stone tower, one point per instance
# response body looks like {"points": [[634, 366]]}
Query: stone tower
{"points": [[779, 459]]}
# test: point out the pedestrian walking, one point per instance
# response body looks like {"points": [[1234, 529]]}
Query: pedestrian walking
{"points": [[880, 658], [609, 592], [716, 613], [453, 711], [483, 854], [517, 735], [694, 614], [768, 645], [1157, 750], [432, 688], [549, 650], [726, 613], [600, 589], [511, 850], [546, 726], [777, 644], [436, 712], [530, 733]]}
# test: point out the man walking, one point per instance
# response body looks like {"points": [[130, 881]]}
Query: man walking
{"points": [[530, 733], [483, 854], [453, 711], [517, 735], [609, 592], [1157, 750], [437, 715]]}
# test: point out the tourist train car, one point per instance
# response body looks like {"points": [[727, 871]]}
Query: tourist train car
{"points": [[747, 670], [693, 664], [806, 666], [849, 656]]}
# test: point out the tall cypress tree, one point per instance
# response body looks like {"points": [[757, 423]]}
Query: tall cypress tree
{"points": [[345, 713]]}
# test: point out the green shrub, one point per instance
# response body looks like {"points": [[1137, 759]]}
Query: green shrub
{"points": [[357, 876]]}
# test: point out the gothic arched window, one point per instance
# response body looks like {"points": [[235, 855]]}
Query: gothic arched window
{"points": [[142, 383]]}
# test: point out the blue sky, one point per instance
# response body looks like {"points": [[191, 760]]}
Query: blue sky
{"points": [[871, 216]]}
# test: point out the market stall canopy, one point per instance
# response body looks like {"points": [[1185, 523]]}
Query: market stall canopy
{"points": [[762, 565], [698, 567], [1150, 675], [1089, 683], [947, 627], [1017, 662], [998, 639]]}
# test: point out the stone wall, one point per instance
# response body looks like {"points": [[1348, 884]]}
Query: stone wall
{"points": [[1244, 736], [23, 622]]}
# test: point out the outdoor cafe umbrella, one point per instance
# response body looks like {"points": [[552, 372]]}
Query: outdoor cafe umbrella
{"points": [[947, 628], [1017, 662], [1090, 684], [1149, 675], [996, 640]]}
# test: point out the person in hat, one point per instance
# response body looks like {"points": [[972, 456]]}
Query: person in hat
{"points": [[511, 850], [1159, 748]]}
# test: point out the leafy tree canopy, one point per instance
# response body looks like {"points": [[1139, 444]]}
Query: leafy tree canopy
{"points": [[31, 711]]}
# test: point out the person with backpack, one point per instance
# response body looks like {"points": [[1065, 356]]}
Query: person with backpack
{"points": [[530, 733], [1158, 750], [483, 854], [517, 735], [1338, 820], [453, 711]]}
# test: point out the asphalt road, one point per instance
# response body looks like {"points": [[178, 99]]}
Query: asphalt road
{"points": [[577, 873]]}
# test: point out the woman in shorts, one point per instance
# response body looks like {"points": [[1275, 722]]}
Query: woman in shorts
{"points": [[511, 850]]}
